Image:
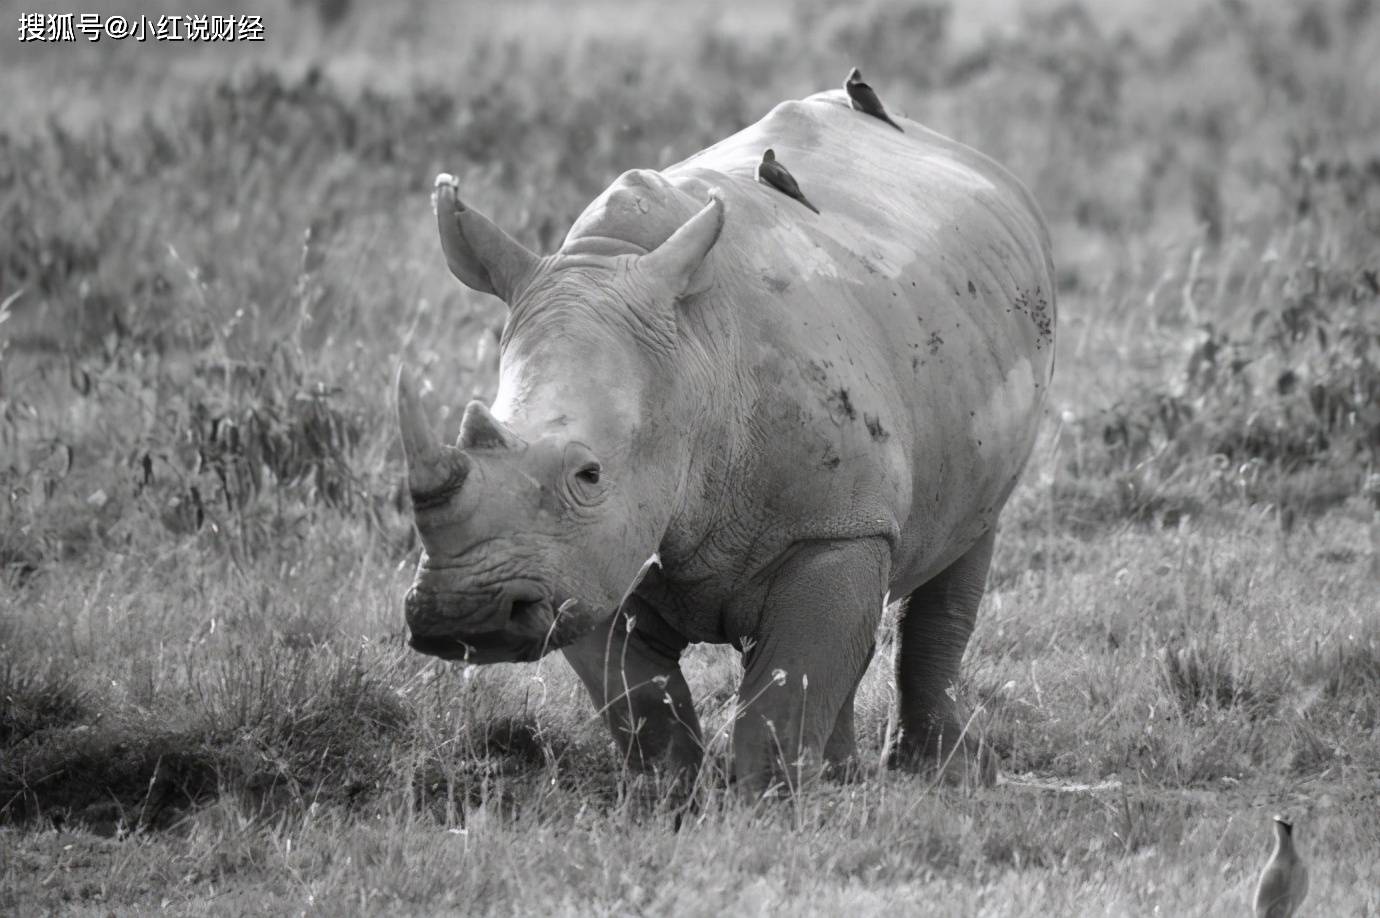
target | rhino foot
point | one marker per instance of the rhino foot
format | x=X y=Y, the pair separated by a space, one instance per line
x=969 y=762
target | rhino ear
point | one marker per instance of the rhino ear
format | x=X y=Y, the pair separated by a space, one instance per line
x=677 y=262
x=480 y=254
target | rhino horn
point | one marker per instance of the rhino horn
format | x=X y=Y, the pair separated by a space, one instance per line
x=480 y=254
x=677 y=261
x=430 y=466
x=481 y=430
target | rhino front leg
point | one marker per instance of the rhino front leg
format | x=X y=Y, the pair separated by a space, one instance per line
x=820 y=605
x=841 y=751
x=634 y=677
x=933 y=631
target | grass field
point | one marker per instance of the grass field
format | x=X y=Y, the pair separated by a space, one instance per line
x=212 y=258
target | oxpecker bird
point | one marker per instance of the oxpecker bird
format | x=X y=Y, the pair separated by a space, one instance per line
x=865 y=100
x=773 y=174
x=1284 y=882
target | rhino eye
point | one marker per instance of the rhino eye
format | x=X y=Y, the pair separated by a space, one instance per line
x=589 y=474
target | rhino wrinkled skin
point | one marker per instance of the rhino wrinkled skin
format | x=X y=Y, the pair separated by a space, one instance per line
x=797 y=414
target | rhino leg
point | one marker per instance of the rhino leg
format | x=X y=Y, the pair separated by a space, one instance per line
x=840 y=752
x=630 y=674
x=933 y=631
x=818 y=621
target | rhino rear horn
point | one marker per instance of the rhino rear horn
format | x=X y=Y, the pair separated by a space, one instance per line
x=481 y=430
x=678 y=260
x=430 y=466
x=480 y=254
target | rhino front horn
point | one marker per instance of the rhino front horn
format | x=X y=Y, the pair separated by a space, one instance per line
x=430 y=466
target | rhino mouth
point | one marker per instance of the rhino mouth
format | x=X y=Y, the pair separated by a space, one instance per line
x=534 y=624
x=490 y=647
x=534 y=628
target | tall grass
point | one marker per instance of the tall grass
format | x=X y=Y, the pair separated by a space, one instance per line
x=205 y=699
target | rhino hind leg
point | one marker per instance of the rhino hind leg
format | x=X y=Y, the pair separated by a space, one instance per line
x=819 y=609
x=933 y=631
x=634 y=677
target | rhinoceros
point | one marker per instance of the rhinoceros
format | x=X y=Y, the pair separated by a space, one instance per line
x=793 y=415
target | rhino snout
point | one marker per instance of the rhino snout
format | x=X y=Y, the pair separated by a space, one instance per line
x=520 y=624
x=433 y=611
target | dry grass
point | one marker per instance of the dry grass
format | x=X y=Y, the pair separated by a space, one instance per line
x=206 y=705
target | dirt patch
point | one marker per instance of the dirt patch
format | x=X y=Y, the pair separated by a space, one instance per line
x=1035 y=306
x=105 y=783
x=875 y=428
x=841 y=406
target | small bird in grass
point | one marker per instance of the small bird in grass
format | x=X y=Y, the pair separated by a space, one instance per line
x=773 y=174
x=1284 y=882
x=863 y=99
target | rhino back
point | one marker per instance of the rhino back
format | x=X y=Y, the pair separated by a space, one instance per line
x=899 y=344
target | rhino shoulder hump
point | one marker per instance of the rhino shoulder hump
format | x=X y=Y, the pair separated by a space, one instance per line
x=796 y=122
x=634 y=215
